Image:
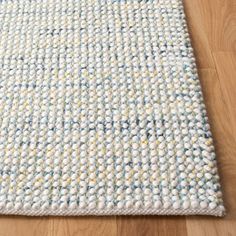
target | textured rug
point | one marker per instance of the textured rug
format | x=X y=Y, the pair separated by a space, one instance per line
x=101 y=111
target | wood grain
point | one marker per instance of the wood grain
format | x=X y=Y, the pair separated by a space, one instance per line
x=195 y=20
x=212 y=26
x=84 y=226
x=226 y=68
x=151 y=225
x=218 y=20
x=25 y=226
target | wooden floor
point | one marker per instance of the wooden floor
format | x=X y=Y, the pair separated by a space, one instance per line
x=212 y=25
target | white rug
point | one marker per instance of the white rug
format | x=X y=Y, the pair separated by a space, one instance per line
x=101 y=111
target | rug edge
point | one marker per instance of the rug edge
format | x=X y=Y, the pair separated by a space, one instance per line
x=219 y=211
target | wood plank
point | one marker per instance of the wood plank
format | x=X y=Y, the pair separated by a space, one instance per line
x=84 y=226
x=195 y=19
x=25 y=226
x=221 y=126
x=226 y=69
x=218 y=21
x=151 y=225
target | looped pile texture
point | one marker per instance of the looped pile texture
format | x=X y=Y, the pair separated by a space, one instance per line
x=101 y=111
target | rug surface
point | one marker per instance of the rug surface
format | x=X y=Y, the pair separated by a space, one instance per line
x=101 y=111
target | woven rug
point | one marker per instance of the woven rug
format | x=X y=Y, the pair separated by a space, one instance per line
x=101 y=111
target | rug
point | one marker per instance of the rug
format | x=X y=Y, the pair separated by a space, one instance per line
x=101 y=111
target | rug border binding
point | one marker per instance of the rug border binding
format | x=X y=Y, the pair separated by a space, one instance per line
x=219 y=211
